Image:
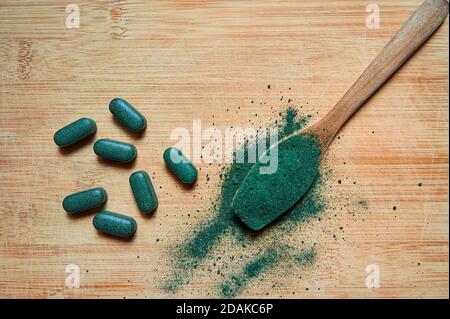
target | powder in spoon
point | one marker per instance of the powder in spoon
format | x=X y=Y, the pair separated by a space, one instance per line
x=262 y=198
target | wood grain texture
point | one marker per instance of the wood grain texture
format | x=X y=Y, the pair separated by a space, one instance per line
x=184 y=60
x=416 y=30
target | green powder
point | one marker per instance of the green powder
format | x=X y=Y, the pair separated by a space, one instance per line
x=233 y=176
x=199 y=246
x=306 y=257
x=262 y=198
x=262 y=263
x=363 y=204
x=252 y=269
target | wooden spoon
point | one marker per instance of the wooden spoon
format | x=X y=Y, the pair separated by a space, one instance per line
x=257 y=210
x=428 y=17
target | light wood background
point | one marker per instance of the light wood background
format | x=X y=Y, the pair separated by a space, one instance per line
x=184 y=60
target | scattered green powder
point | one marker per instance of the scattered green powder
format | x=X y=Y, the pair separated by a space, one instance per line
x=204 y=242
x=195 y=249
x=199 y=245
x=363 y=204
x=262 y=263
x=307 y=257
x=252 y=269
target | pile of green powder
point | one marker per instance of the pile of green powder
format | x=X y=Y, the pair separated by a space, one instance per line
x=262 y=198
x=196 y=249
x=232 y=177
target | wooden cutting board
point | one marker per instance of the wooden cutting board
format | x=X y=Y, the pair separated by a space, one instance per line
x=179 y=61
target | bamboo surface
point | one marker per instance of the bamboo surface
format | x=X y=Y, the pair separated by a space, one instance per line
x=179 y=61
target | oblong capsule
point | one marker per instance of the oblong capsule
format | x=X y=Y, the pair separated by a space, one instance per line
x=180 y=165
x=143 y=191
x=85 y=200
x=115 y=224
x=74 y=132
x=115 y=150
x=127 y=114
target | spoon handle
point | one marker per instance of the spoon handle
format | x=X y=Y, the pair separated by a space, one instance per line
x=411 y=36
